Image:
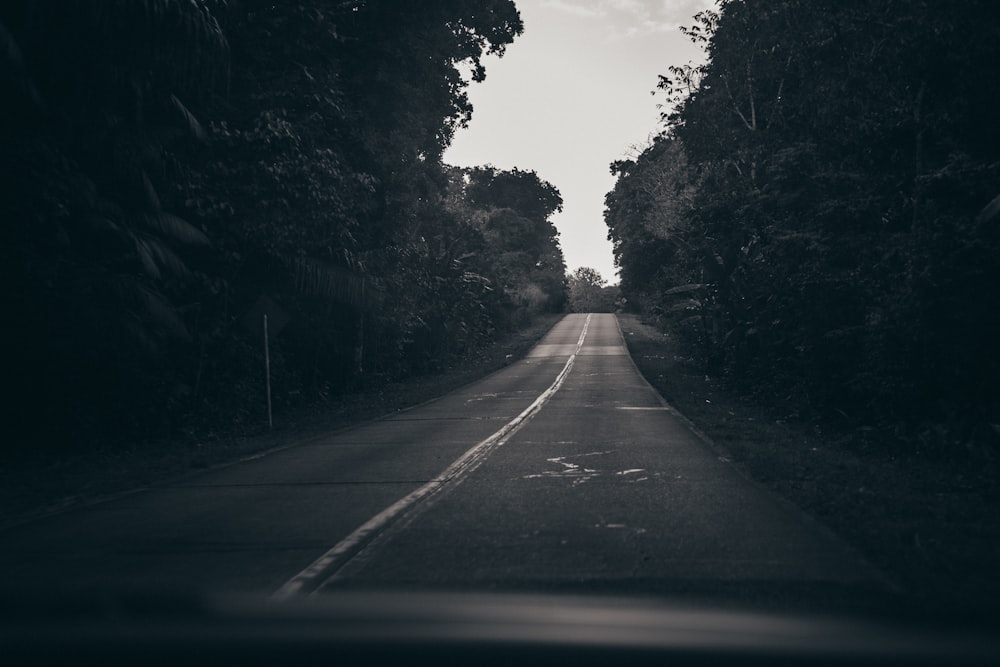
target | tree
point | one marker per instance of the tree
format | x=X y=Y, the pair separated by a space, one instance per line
x=590 y=293
x=519 y=233
x=587 y=277
x=99 y=264
x=166 y=164
x=830 y=161
x=332 y=164
x=648 y=214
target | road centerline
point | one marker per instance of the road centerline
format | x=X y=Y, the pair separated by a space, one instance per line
x=327 y=565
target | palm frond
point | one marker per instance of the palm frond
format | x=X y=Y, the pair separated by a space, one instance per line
x=315 y=278
x=989 y=211
x=150 y=306
x=191 y=123
x=102 y=225
x=152 y=200
x=13 y=62
x=174 y=228
x=162 y=314
x=157 y=255
x=684 y=289
x=145 y=255
x=137 y=335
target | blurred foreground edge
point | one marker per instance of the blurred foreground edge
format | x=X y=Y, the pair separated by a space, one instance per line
x=385 y=627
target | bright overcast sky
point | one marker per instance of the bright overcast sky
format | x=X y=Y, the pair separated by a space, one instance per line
x=570 y=96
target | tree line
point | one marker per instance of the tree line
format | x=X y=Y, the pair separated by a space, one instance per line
x=173 y=170
x=819 y=215
x=589 y=292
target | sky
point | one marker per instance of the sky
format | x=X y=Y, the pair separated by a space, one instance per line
x=570 y=96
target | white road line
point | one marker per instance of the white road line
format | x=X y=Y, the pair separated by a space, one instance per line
x=311 y=578
x=627 y=407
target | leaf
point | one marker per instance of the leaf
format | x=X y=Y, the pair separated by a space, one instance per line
x=139 y=334
x=145 y=255
x=162 y=314
x=151 y=305
x=685 y=306
x=315 y=278
x=175 y=228
x=192 y=124
x=684 y=289
x=152 y=199
x=165 y=258
x=13 y=63
x=468 y=277
x=101 y=224
x=989 y=211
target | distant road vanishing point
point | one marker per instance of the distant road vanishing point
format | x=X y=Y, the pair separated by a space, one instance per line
x=564 y=471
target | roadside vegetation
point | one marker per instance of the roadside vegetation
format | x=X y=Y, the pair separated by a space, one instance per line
x=820 y=217
x=814 y=236
x=175 y=171
x=928 y=522
x=589 y=292
x=43 y=483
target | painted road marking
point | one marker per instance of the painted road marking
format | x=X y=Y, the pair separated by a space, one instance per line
x=547 y=350
x=326 y=566
x=628 y=407
x=565 y=349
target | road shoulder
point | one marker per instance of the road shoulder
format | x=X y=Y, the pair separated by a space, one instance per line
x=932 y=527
x=40 y=486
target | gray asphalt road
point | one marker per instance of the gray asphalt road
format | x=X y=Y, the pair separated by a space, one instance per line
x=564 y=471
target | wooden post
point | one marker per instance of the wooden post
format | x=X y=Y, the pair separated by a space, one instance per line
x=267 y=372
x=359 y=348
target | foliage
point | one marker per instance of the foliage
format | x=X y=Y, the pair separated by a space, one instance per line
x=515 y=209
x=809 y=214
x=590 y=293
x=171 y=165
x=99 y=278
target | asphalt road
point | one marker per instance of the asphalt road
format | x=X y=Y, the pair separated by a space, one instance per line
x=563 y=471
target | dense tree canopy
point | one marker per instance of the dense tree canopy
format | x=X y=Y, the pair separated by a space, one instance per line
x=518 y=207
x=173 y=169
x=815 y=215
x=589 y=292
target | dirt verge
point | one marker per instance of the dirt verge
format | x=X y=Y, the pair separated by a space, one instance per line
x=931 y=524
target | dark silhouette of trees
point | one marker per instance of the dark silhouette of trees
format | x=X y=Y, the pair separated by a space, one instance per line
x=98 y=261
x=813 y=214
x=517 y=228
x=173 y=169
x=589 y=292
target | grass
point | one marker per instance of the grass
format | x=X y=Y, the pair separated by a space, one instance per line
x=931 y=523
